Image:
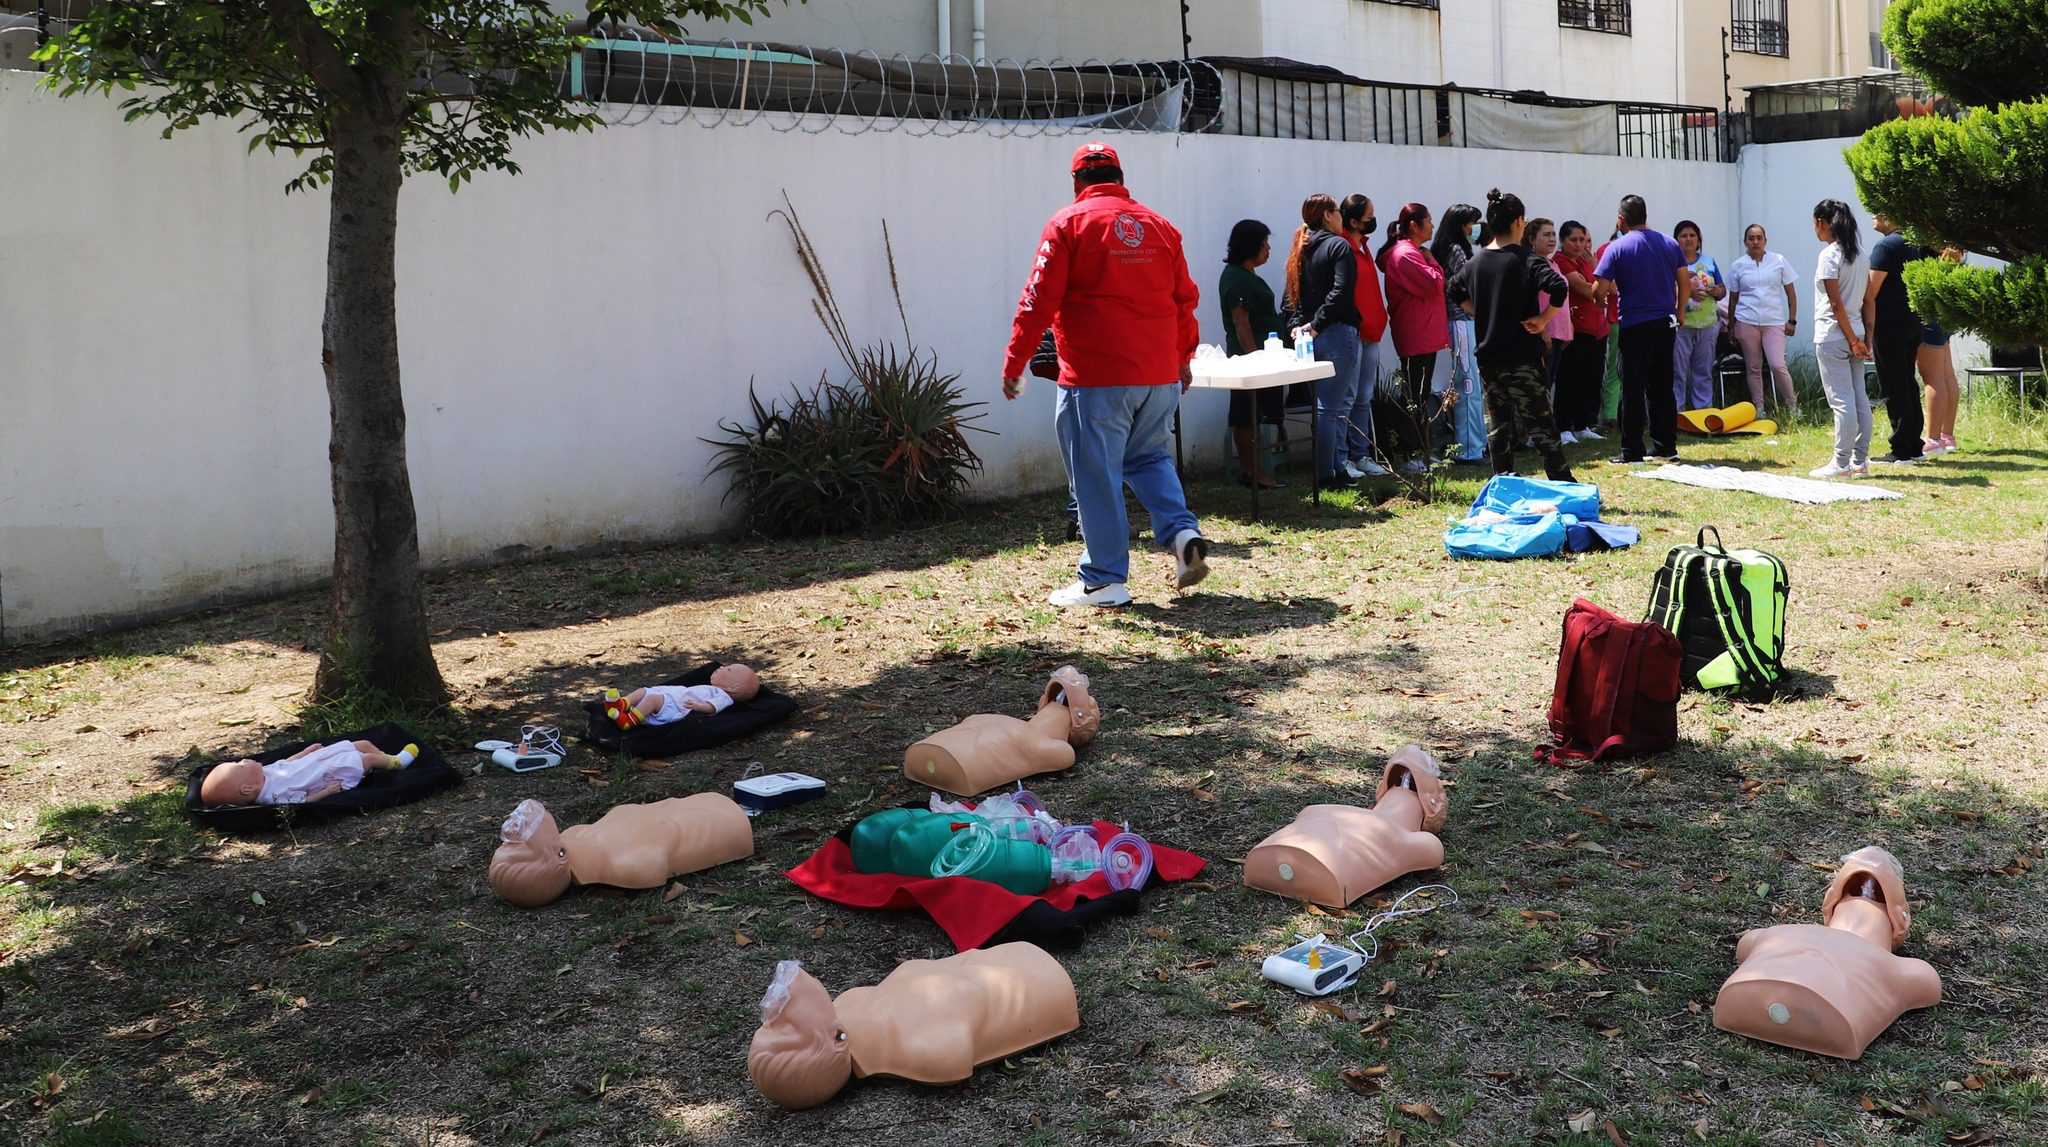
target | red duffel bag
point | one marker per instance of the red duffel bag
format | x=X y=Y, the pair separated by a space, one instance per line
x=1617 y=688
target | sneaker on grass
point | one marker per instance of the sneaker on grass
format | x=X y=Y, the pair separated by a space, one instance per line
x=1830 y=471
x=1079 y=594
x=1190 y=559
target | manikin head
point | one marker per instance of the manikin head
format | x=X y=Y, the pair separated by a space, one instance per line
x=236 y=782
x=1412 y=768
x=799 y=1057
x=1069 y=687
x=531 y=866
x=740 y=681
x=1871 y=873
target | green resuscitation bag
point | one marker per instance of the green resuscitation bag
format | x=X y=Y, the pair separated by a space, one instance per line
x=918 y=842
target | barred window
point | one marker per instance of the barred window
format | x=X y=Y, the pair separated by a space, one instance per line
x=1429 y=4
x=1759 y=26
x=1596 y=16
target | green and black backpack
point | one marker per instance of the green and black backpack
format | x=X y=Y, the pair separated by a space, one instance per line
x=1727 y=608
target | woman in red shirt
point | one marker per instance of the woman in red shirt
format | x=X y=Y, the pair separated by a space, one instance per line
x=1359 y=224
x=1579 y=379
x=1415 y=308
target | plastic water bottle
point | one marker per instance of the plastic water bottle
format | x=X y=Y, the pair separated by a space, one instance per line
x=1273 y=342
x=1305 y=347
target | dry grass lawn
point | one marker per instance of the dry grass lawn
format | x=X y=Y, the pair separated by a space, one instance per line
x=358 y=983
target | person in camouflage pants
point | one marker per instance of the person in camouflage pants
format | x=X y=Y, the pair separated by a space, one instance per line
x=1518 y=402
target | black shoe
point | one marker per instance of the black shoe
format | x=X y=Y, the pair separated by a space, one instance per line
x=1336 y=482
x=1073 y=530
x=1624 y=460
x=1270 y=484
x=1895 y=460
x=1671 y=457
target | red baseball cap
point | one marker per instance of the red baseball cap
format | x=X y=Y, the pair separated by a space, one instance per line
x=1095 y=153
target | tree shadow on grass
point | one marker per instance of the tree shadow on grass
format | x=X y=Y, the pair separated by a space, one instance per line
x=377 y=988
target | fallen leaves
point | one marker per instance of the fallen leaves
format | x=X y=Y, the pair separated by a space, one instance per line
x=1422 y=1111
x=1363 y=1080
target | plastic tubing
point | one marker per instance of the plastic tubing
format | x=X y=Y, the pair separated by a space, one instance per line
x=968 y=850
x=1122 y=869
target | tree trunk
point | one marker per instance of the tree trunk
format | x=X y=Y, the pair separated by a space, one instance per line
x=377 y=625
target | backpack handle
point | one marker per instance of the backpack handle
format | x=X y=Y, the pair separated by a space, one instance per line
x=1718 y=544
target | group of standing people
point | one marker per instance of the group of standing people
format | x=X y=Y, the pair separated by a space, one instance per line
x=1528 y=309
x=1525 y=307
x=1862 y=313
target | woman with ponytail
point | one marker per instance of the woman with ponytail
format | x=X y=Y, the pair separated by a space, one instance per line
x=1415 y=291
x=1838 y=337
x=1322 y=280
x=1453 y=249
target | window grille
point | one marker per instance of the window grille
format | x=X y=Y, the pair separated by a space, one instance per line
x=1759 y=27
x=1429 y=4
x=1611 y=16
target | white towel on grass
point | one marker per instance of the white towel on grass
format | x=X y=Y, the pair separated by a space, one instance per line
x=1807 y=490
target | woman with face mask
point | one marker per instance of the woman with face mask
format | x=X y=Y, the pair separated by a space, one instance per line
x=1415 y=290
x=1453 y=249
x=1359 y=224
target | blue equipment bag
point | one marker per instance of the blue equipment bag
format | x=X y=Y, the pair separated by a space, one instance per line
x=1520 y=536
x=1514 y=495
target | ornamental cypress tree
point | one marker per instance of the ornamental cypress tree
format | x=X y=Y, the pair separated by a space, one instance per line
x=371 y=91
x=1980 y=183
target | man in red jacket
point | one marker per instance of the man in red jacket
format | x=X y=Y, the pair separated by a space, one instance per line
x=1111 y=281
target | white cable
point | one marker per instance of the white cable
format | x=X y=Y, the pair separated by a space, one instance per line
x=1371 y=947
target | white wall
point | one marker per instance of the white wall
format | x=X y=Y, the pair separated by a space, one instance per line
x=568 y=334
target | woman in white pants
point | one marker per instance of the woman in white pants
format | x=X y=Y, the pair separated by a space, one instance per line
x=1838 y=337
x=1765 y=307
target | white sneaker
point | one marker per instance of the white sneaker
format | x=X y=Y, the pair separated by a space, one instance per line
x=1365 y=468
x=1352 y=471
x=1567 y=438
x=1857 y=472
x=1590 y=436
x=1829 y=471
x=1414 y=466
x=1079 y=594
x=1190 y=559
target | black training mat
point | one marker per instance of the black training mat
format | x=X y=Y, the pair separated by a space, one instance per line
x=697 y=731
x=429 y=773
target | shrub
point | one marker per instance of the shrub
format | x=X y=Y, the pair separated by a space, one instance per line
x=891 y=448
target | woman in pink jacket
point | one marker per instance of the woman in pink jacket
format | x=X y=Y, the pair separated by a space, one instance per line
x=1415 y=311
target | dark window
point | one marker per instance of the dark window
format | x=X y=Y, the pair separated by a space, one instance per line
x=1759 y=26
x=1595 y=15
x=1429 y=4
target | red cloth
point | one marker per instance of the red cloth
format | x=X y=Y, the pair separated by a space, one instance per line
x=1111 y=280
x=1415 y=298
x=1613 y=300
x=1588 y=317
x=1372 y=309
x=969 y=910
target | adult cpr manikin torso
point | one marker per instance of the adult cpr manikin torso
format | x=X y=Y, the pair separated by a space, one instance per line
x=930 y=1021
x=1334 y=854
x=988 y=750
x=1831 y=988
x=631 y=846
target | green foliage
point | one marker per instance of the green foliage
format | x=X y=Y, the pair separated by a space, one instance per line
x=1982 y=52
x=1977 y=183
x=890 y=447
x=459 y=79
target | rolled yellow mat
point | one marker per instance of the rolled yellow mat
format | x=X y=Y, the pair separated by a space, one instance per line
x=1695 y=421
x=1733 y=418
x=1761 y=426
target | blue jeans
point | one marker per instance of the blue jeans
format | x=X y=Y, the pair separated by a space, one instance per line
x=1358 y=434
x=1111 y=436
x=1337 y=345
x=1469 y=416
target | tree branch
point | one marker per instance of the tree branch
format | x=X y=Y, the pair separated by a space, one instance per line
x=318 y=53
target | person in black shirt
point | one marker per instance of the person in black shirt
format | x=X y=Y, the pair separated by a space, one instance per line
x=1895 y=333
x=1322 y=289
x=1513 y=295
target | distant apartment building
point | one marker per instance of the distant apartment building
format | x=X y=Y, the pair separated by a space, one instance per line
x=1649 y=51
